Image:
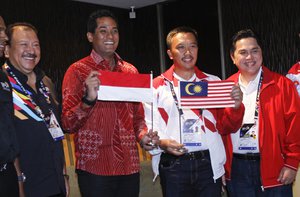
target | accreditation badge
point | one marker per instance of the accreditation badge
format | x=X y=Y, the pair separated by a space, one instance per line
x=248 y=137
x=54 y=128
x=191 y=132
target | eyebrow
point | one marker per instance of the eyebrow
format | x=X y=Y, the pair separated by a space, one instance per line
x=22 y=41
x=256 y=47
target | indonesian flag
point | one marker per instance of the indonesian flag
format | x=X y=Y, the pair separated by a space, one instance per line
x=205 y=94
x=117 y=86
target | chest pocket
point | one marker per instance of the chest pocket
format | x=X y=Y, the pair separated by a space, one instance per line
x=6 y=105
x=5 y=92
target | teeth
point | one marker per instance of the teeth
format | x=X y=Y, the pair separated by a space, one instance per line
x=29 y=58
x=108 y=43
x=187 y=59
x=250 y=63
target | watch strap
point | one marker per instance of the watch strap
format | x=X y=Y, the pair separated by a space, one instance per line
x=22 y=177
x=86 y=101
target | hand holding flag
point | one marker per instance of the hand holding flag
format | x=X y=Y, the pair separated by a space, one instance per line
x=237 y=96
x=92 y=83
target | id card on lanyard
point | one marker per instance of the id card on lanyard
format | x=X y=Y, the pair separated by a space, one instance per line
x=54 y=128
x=191 y=132
x=248 y=137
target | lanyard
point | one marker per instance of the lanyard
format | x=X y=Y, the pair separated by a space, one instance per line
x=179 y=109
x=257 y=96
x=175 y=98
x=43 y=89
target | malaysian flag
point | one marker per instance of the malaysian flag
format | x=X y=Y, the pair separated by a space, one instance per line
x=205 y=94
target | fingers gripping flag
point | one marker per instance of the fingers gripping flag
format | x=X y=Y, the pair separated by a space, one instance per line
x=117 y=86
x=208 y=94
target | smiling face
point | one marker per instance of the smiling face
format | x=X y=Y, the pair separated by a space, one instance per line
x=247 y=56
x=3 y=36
x=183 y=51
x=105 y=39
x=23 y=50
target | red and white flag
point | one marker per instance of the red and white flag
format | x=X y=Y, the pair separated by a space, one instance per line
x=117 y=86
x=209 y=94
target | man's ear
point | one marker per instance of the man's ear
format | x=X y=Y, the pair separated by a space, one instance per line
x=6 y=51
x=90 y=36
x=232 y=57
x=169 y=54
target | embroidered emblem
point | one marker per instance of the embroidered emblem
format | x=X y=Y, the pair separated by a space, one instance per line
x=5 y=86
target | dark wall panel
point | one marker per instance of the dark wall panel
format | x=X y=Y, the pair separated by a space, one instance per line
x=276 y=23
x=140 y=42
x=202 y=16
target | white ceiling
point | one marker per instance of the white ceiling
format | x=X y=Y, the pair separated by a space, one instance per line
x=126 y=4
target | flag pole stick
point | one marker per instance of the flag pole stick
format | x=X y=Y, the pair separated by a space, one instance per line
x=152 y=116
x=180 y=138
x=180 y=114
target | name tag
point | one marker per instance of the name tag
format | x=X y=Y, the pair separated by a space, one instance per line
x=248 y=137
x=54 y=128
x=191 y=132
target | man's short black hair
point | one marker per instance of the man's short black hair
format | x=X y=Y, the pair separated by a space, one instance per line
x=10 y=29
x=92 y=21
x=245 y=33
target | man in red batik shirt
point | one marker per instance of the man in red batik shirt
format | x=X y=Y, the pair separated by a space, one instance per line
x=106 y=132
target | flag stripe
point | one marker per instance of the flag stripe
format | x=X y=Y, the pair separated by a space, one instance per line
x=208 y=103
x=206 y=106
x=212 y=91
x=222 y=82
x=206 y=97
x=119 y=79
x=204 y=101
x=110 y=93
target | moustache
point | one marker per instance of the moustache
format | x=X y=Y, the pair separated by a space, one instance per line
x=30 y=55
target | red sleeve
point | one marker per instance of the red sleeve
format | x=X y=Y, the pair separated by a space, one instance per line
x=229 y=120
x=291 y=107
x=74 y=115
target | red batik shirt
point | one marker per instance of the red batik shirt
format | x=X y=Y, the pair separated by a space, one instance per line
x=106 y=133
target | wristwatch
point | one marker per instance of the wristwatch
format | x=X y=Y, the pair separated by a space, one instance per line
x=22 y=177
x=89 y=103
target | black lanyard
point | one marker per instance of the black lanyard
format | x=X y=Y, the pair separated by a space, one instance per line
x=175 y=98
x=257 y=97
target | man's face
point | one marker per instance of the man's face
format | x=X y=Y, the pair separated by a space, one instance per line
x=247 y=56
x=3 y=37
x=24 y=50
x=105 y=40
x=184 y=51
